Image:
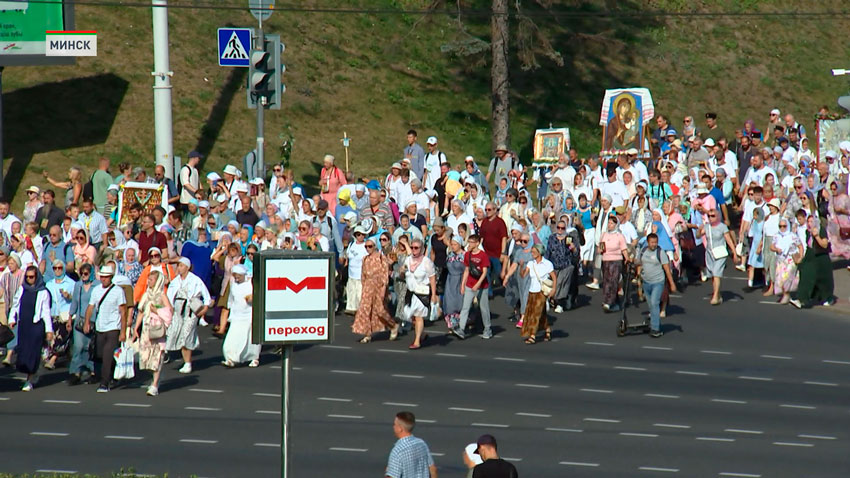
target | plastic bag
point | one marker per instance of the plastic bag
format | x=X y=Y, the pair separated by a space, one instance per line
x=124 y=362
x=435 y=312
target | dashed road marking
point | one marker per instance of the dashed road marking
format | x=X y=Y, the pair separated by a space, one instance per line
x=788 y=443
x=817 y=437
x=727 y=440
x=688 y=372
x=534 y=415
x=723 y=400
x=205 y=390
x=271 y=445
x=123 y=437
x=511 y=459
x=49 y=434
x=133 y=405
x=531 y=385
x=444 y=354
x=202 y=409
x=743 y=431
x=601 y=420
x=350 y=417
x=347 y=372
x=738 y=475
x=509 y=359
x=579 y=463
x=601 y=344
x=63 y=402
x=272 y=395
x=655 y=468
x=490 y=425
x=393 y=351
x=399 y=404
x=200 y=442
x=639 y=435
x=462 y=409
x=800 y=407
x=341 y=347
x=571 y=364
x=401 y=375
x=422 y=420
x=716 y=352
x=671 y=425
x=595 y=390
x=822 y=384
x=660 y=395
x=837 y=362
x=564 y=430
x=353 y=450
x=759 y=379
x=655 y=347
x=634 y=369
x=332 y=399
x=268 y=412
x=776 y=357
x=469 y=380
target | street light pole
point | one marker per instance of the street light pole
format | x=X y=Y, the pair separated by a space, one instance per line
x=162 y=88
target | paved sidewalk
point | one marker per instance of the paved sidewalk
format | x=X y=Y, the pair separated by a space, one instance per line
x=842 y=285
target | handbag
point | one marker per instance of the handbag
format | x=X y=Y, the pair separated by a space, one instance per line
x=6 y=335
x=844 y=233
x=545 y=285
x=156 y=328
x=686 y=240
x=124 y=362
x=718 y=252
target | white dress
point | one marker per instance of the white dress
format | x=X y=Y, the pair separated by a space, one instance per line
x=237 y=346
x=418 y=282
x=185 y=296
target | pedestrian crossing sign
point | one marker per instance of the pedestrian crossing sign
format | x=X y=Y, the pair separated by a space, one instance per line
x=234 y=46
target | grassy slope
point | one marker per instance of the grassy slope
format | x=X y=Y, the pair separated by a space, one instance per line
x=375 y=76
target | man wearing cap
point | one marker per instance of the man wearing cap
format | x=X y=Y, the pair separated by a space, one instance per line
x=393 y=180
x=414 y=152
x=492 y=466
x=107 y=309
x=433 y=160
x=410 y=456
x=774 y=120
x=712 y=130
x=190 y=298
x=48 y=215
x=189 y=178
x=501 y=165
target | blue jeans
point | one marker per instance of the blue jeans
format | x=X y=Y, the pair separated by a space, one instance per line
x=652 y=291
x=494 y=273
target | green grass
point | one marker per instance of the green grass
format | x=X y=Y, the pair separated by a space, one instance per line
x=375 y=76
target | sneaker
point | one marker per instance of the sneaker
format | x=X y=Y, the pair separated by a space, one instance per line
x=488 y=334
x=829 y=302
x=796 y=303
x=27 y=387
x=203 y=322
x=152 y=391
x=458 y=333
x=103 y=389
x=741 y=268
x=593 y=286
x=74 y=379
x=519 y=324
x=186 y=368
x=606 y=307
x=254 y=363
x=655 y=334
x=166 y=358
x=559 y=309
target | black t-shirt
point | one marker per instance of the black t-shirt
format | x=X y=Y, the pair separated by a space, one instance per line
x=495 y=468
x=247 y=217
x=440 y=250
x=440 y=187
x=48 y=218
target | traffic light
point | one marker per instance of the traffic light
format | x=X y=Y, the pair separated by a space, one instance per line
x=265 y=75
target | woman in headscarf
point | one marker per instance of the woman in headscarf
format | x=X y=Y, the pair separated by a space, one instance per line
x=84 y=252
x=585 y=216
x=452 y=298
x=537 y=270
x=372 y=315
x=154 y=264
x=769 y=230
x=605 y=211
x=61 y=290
x=81 y=367
x=613 y=250
x=401 y=252
x=22 y=247
x=562 y=250
x=237 y=347
x=129 y=265
x=838 y=221
x=516 y=285
x=198 y=250
x=151 y=324
x=35 y=327
x=10 y=282
x=420 y=276
x=641 y=216
x=331 y=179
x=245 y=238
x=816 y=282
x=789 y=250
x=226 y=256
x=310 y=239
x=717 y=238
x=755 y=260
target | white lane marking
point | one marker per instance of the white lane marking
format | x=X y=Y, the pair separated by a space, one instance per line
x=634 y=369
x=655 y=347
x=595 y=390
x=565 y=430
x=352 y=417
x=511 y=459
x=349 y=372
x=822 y=384
x=801 y=407
x=579 y=463
x=399 y=404
x=205 y=390
x=278 y=367
x=3 y=399
x=469 y=380
x=716 y=352
x=759 y=379
x=202 y=409
x=768 y=302
x=461 y=409
x=509 y=359
x=437 y=454
x=817 y=437
x=422 y=420
x=353 y=450
x=268 y=412
x=728 y=440
x=743 y=431
x=133 y=405
x=688 y=372
x=654 y=468
x=332 y=399
x=272 y=395
x=63 y=402
x=776 y=357
x=293 y=368
x=788 y=443
x=443 y=354
x=837 y=362
x=601 y=344
x=122 y=437
x=571 y=364
x=490 y=425
x=660 y=395
x=639 y=435
x=49 y=434
x=401 y=375
x=723 y=400
x=342 y=347
x=393 y=351
x=740 y=475
x=45 y=470
x=534 y=415
x=272 y=445
x=601 y=420
x=671 y=425
x=201 y=442
x=531 y=385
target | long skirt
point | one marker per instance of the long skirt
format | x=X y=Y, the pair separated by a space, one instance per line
x=816 y=281
x=611 y=281
x=589 y=247
x=150 y=350
x=353 y=294
x=786 y=279
x=30 y=342
x=237 y=346
x=535 y=315
x=564 y=285
x=183 y=331
x=769 y=259
x=372 y=315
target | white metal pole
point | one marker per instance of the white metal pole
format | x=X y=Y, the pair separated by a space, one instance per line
x=162 y=88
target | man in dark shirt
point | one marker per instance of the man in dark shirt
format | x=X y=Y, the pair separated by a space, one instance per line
x=247 y=215
x=494 y=237
x=440 y=187
x=48 y=215
x=493 y=466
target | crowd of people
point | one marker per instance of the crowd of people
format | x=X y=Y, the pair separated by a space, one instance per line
x=432 y=240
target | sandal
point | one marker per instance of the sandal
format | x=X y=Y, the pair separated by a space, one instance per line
x=365 y=340
x=530 y=340
x=414 y=347
x=394 y=332
x=548 y=336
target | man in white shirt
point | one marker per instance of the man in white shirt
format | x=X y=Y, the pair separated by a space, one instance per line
x=6 y=219
x=433 y=160
x=630 y=163
x=756 y=173
x=189 y=178
x=108 y=306
x=615 y=188
x=565 y=172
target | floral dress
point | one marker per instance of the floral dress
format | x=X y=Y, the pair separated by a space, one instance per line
x=372 y=315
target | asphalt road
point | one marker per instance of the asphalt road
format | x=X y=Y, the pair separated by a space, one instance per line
x=745 y=389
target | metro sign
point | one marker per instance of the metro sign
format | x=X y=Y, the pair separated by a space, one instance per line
x=284 y=283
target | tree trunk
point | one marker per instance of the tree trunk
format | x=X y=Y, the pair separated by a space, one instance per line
x=500 y=82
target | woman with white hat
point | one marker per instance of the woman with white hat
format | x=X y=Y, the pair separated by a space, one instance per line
x=237 y=347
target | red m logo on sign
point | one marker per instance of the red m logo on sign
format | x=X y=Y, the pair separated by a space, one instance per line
x=283 y=283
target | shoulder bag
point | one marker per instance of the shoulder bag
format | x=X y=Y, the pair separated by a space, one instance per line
x=718 y=252
x=545 y=285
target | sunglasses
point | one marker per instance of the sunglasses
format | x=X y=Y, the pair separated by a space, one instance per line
x=302 y=228
x=415 y=248
x=523 y=201
x=687 y=121
x=384 y=239
x=277 y=170
x=489 y=209
x=370 y=246
x=85 y=273
x=522 y=241
x=57 y=268
x=155 y=255
x=30 y=276
x=561 y=228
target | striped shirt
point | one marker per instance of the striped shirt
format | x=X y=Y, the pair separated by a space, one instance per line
x=410 y=458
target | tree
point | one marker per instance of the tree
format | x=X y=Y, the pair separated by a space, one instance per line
x=499 y=75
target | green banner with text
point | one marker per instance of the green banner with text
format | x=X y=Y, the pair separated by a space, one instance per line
x=23 y=26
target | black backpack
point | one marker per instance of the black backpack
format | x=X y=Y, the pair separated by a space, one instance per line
x=88 y=188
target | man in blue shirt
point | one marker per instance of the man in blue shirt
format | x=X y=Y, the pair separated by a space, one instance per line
x=410 y=457
x=94 y=222
x=55 y=249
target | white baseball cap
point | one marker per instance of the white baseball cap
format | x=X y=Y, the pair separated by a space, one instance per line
x=775 y=111
x=709 y=142
x=431 y=140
